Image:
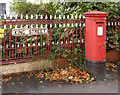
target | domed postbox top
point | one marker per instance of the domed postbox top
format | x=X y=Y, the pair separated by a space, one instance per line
x=95 y=14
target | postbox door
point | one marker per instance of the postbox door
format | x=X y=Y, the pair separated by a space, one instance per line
x=100 y=30
x=100 y=41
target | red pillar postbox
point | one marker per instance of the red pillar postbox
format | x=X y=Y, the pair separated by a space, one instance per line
x=95 y=38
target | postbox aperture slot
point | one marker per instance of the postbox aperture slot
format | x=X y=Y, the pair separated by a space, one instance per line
x=99 y=22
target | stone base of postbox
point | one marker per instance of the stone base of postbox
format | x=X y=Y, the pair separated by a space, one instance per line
x=96 y=68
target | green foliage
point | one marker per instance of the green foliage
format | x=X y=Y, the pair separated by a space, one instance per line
x=65 y=8
x=112 y=42
x=30 y=8
x=80 y=7
x=75 y=56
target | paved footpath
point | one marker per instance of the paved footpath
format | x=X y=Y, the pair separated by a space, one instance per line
x=22 y=84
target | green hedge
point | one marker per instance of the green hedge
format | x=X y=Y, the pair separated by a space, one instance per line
x=67 y=8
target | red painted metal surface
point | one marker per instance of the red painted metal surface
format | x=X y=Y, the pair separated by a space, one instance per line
x=95 y=44
x=29 y=22
x=95 y=14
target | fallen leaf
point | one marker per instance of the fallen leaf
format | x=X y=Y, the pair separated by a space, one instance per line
x=28 y=76
x=83 y=86
x=105 y=79
x=107 y=75
x=108 y=83
x=107 y=68
x=60 y=86
x=95 y=82
x=92 y=79
x=41 y=81
x=114 y=70
x=6 y=79
x=114 y=82
x=111 y=64
x=16 y=92
x=90 y=86
x=71 y=77
x=13 y=83
x=80 y=80
x=88 y=82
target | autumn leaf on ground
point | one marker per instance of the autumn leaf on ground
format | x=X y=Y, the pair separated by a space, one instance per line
x=107 y=68
x=111 y=64
x=92 y=79
x=40 y=75
x=95 y=82
x=6 y=79
x=108 y=84
x=41 y=81
x=114 y=82
x=60 y=86
x=114 y=70
x=13 y=83
x=72 y=75
x=90 y=86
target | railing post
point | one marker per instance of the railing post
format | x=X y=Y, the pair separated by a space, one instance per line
x=0 y=39
x=95 y=42
x=0 y=54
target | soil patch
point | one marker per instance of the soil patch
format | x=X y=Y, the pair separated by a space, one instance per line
x=112 y=55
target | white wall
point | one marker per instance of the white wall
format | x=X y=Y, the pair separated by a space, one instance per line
x=9 y=2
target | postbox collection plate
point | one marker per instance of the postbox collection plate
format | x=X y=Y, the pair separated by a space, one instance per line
x=100 y=31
